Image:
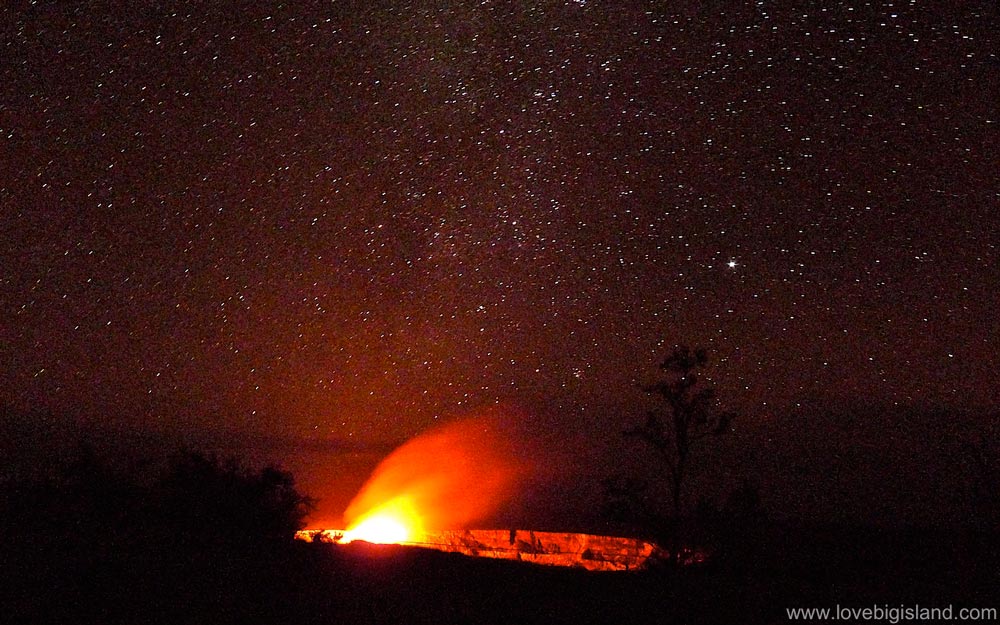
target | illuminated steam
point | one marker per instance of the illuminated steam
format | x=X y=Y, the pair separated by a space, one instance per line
x=446 y=478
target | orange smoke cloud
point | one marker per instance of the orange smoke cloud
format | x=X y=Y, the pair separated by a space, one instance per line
x=446 y=478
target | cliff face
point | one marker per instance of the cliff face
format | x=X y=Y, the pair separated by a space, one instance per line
x=589 y=551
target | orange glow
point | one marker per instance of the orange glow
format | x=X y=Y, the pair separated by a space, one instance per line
x=588 y=551
x=444 y=479
x=394 y=522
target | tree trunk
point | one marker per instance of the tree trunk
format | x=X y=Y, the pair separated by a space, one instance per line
x=675 y=520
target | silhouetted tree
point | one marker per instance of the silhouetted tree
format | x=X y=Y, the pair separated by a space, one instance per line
x=93 y=542
x=210 y=497
x=689 y=415
x=626 y=502
x=734 y=529
x=983 y=542
x=984 y=481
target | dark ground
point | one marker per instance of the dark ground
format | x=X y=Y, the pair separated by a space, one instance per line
x=146 y=578
x=399 y=585
x=305 y=583
x=203 y=541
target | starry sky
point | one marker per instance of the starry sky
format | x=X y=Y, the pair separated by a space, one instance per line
x=340 y=223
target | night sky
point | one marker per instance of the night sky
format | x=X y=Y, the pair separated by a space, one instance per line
x=329 y=226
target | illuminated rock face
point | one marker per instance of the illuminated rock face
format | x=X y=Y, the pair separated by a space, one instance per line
x=588 y=551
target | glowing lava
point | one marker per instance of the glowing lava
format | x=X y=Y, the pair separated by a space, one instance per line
x=394 y=522
x=429 y=491
x=586 y=551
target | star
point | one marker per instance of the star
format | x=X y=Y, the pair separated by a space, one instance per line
x=479 y=203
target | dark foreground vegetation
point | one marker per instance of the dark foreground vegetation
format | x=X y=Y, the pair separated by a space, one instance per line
x=201 y=541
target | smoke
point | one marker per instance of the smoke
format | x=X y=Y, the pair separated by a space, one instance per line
x=446 y=478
